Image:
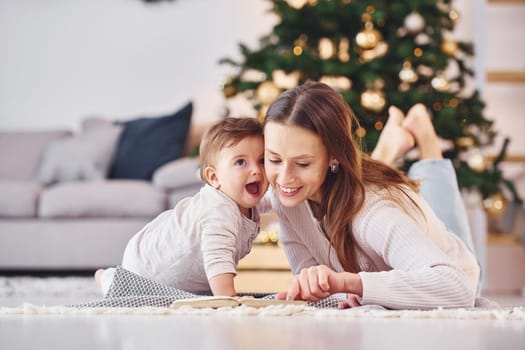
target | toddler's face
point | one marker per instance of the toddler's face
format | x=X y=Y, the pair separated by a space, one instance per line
x=239 y=171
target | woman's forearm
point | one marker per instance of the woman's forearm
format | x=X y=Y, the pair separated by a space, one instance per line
x=352 y=283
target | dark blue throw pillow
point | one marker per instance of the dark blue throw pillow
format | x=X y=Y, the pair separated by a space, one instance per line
x=148 y=143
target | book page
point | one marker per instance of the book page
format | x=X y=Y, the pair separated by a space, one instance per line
x=223 y=301
x=254 y=302
x=204 y=302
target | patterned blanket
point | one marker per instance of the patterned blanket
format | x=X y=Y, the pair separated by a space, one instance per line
x=131 y=290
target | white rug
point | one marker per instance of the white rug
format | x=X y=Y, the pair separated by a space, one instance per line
x=513 y=314
x=27 y=290
x=16 y=287
x=15 y=291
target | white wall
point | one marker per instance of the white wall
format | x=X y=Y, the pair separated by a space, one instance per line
x=504 y=50
x=61 y=60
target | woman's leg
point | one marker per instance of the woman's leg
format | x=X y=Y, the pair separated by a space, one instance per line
x=439 y=184
x=438 y=178
x=440 y=189
x=394 y=140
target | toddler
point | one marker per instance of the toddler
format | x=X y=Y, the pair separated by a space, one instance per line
x=197 y=245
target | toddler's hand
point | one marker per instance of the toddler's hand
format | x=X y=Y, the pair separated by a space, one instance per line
x=352 y=300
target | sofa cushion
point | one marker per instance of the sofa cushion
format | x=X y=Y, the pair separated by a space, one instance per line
x=95 y=122
x=178 y=173
x=18 y=198
x=98 y=199
x=148 y=143
x=21 y=152
x=86 y=156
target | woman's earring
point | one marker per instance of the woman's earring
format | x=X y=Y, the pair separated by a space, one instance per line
x=334 y=168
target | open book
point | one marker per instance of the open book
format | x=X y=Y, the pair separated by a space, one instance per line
x=223 y=301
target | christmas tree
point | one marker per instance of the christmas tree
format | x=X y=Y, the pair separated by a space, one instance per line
x=379 y=53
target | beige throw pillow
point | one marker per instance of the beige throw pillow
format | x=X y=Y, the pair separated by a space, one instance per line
x=85 y=156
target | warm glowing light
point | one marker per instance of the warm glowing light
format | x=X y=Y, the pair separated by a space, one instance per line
x=360 y=132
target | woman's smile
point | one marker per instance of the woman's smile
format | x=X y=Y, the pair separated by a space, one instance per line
x=288 y=191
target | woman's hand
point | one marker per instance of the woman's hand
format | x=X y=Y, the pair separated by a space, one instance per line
x=317 y=282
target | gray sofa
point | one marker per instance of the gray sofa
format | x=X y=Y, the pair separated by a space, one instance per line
x=85 y=220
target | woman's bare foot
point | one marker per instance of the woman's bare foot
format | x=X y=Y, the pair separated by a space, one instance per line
x=394 y=139
x=419 y=124
x=98 y=278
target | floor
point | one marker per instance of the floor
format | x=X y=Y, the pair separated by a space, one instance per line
x=128 y=332
x=208 y=332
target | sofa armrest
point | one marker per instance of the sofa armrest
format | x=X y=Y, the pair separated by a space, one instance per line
x=182 y=172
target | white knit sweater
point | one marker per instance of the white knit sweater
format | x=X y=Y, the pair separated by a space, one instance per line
x=201 y=237
x=412 y=261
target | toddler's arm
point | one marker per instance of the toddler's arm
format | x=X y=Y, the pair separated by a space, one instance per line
x=223 y=285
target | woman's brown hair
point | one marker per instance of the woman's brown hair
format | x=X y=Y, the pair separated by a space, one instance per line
x=320 y=109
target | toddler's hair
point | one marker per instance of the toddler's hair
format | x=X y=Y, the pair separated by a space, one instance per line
x=225 y=133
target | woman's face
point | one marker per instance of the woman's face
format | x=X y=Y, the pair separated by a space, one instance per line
x=296 y=163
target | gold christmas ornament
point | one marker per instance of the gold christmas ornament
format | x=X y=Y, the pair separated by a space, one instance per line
x=404 y=87
x=401 y=32
x=229 y=91
x=285 y=81
x=378 y=84
x=343 y=53
x=360 y=132
x=475 y=160
x=425 y=71
x=369 y=37
x=422 y=39
x=326 y=48
x=262 y=237
x=338 y=83
x=449 y=47
x=267 y=92
x=297 y=4
x=407 y=74
x=297 y=50
x=262 y=113
x=273 y=235
x=443 y=6
x=453 y=15
x=465 y=142
x=440 y=83
x=299 y=43
x=369 y=11
x=253 y=75
x=378 y=51
x=414 y=22
x=495 y=204
x=373 y=100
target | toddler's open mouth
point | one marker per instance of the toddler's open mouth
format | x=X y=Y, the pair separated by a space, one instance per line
x=253 y=187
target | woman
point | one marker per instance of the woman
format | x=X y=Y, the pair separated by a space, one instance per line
x=351 y=224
